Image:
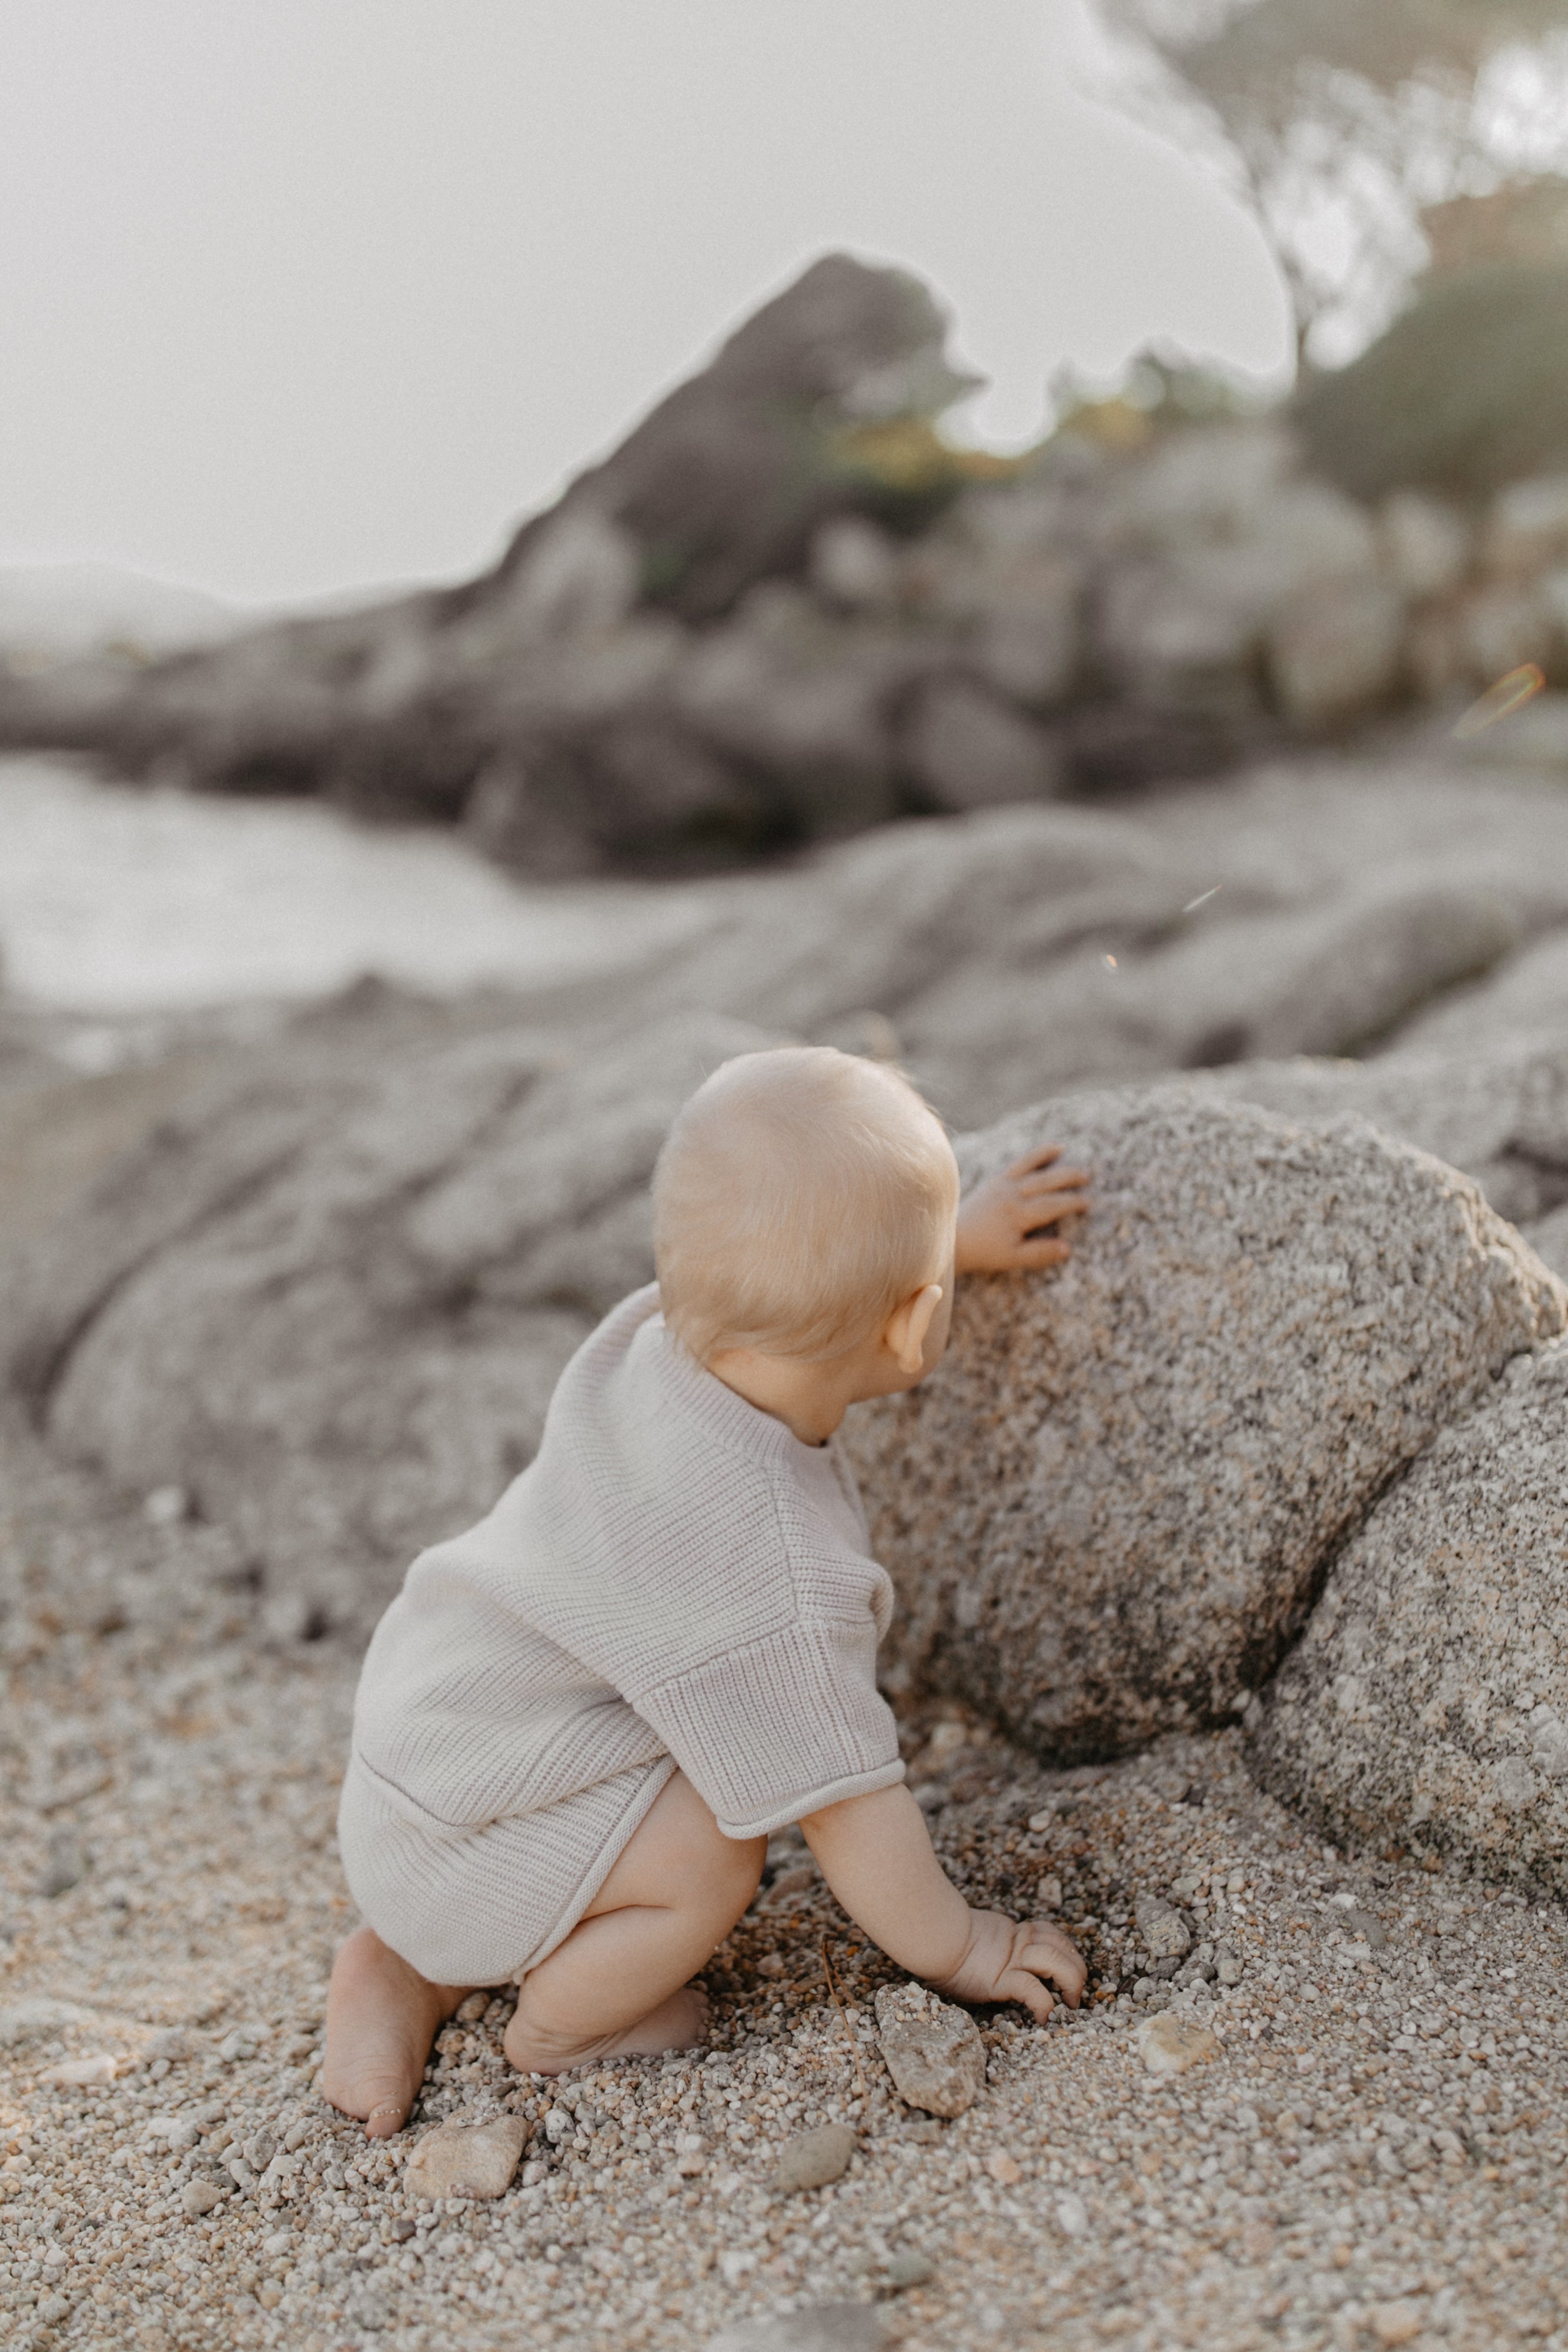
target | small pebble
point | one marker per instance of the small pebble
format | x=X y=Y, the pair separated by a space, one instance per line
x=466 y=2158
x=199 y=2196
x=1004 y=2168
x=66 y=1866
x=932 y=2049
x=1169 y=2044
x=819 y=2328
x=1162 y=1927
x=1071 y=2216
x=1394 y=2322
x=812 y=2159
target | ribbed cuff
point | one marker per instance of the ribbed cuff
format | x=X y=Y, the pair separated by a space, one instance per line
x=813 y=1801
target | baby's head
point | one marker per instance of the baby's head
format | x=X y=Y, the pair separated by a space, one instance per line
x=801 y=1197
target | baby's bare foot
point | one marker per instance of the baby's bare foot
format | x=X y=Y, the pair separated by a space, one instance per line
x=381 y=2018
x=676 y=2024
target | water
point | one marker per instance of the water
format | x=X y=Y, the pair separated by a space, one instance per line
x=118 y=902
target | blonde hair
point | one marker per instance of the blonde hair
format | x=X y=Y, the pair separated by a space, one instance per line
x=801 y=1195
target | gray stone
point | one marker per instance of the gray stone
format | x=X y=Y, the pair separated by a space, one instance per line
x=1227 y=1964
x=812 y=2159
x=451 y=1209
x=1162 y=1927
x=1336 y=651
x=1427 y=1702
x=38 y=2019
x=932 y=2049
x=1107 y=1510
x=1548 y=1238
x=1367 y=1926
x=969 y=750
x=65 y=1867
x=465 y=2156
x=171 y=2042
x=373 y=2305
x=909 y=2267
x=1499 y=1111
x=816 y=2327
x=1425 y=544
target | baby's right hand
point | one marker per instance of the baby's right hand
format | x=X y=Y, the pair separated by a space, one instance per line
x=1006 y=1960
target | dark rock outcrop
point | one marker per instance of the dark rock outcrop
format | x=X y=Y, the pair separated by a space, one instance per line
x=783 y=611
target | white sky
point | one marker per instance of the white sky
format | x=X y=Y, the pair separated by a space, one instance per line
x=296 y=295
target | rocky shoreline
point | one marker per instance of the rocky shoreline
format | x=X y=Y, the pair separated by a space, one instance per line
x=243 y=1284
x=784 y=611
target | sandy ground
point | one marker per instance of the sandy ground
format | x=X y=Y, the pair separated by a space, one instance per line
x=1373 y=2155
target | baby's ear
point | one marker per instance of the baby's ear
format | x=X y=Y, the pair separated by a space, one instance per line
x=907 y=1326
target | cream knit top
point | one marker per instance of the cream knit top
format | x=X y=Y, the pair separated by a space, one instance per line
x=674 y=1575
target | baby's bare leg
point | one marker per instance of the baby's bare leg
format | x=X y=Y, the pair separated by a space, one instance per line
x=617 y=1983
x=381 y=2018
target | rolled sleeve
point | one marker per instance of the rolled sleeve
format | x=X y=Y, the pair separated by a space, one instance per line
x=781 y=1727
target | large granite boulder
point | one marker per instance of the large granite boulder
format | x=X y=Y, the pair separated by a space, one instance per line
x=1501 y=1116
x=1108 y=1511
x=1426 y=1703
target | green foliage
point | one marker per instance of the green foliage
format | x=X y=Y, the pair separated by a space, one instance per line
x=1155 y=389
x=1466 y=390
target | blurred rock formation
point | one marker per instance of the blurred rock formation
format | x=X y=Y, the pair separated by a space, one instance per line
x=784 y=610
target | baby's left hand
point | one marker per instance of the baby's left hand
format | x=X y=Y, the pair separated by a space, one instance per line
x=999 y=1221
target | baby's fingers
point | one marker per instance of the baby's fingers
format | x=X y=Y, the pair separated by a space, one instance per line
x=1052 y=1206
x=1055 y=1179
x=1041 y=1252
x=1050 y=1954
x=1041 y=1157
x=1019 y=1985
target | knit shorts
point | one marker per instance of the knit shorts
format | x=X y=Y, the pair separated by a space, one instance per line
x=481 y=1907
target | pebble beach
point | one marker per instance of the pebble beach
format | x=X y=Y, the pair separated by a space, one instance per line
x=1365 y=2144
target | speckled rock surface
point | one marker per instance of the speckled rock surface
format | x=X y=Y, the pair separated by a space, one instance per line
x=1426 y=1704
x=1499 y=1114
x=1107 y=1510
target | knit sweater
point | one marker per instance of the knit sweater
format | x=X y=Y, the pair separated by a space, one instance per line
x=675 y=1576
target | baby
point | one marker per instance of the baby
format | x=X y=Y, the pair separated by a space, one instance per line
x=577 y=1724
